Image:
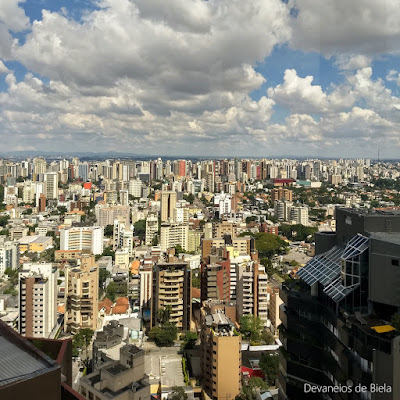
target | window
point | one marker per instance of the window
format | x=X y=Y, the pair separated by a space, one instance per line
x=395 y=262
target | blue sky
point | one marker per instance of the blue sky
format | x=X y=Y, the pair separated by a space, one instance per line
x=193 y=77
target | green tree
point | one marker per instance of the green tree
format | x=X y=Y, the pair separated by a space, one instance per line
x=250 y=389
x=189 y=198
x=109 y=230
x=269 y=365
x=103 y=276
x=164 y=314
x=250 y=219
x=189 y=340
x=179 y=249
x=268 y=244
x=298 y=232
x=108 y=251
x=154 y=241
x=140 y=229
x=252 y=327
x=12 y=275
x=164 y=335
x=81 y=340
x=4 y=220
x=153 y=333
x=267 y=338
x=167 y=335
x=178 y=393
x=111 y=291
x=196 y=280
x=62 y=210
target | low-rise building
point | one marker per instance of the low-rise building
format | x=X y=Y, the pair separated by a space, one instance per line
x=123 y=379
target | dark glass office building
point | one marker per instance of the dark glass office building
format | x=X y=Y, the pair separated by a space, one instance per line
x=337 y=335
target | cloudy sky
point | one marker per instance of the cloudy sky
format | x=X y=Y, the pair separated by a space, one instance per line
x=196 y=77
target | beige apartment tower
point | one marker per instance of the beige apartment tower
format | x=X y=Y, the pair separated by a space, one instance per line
x=168 y=206
x=81 y=295
x=38 y=299
x=172 y=288
x=221 y=359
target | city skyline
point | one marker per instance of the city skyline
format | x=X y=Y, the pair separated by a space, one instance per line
x=265 y=78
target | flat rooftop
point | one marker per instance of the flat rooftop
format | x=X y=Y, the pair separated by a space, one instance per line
x=17 y=364
x=371 y=211
x=386 y=236
x=116 y=369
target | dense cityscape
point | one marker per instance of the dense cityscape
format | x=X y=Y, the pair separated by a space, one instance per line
x=166 y=279
x=199 y=200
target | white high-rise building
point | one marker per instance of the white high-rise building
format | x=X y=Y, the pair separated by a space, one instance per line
x=135 y=187
x=124 y=197
x=251 y=290
x=282 y=209
x=51 y=185
x=151 y=228
x=123 y=236
x=88 y=238
x=9 y=255
x=224 y=203
x=299 y=214
x=172 y=235
x=38 y=299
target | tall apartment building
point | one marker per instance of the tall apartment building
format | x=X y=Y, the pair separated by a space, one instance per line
x=123 y=236
x=86 y=238
x=224 y=228
x=29 y=192
x=51 y=185
x=172 y=235
x=336 y=318
x=106 y=215
x=37 y=299
x=151 y=228
x=42 y=203
x=221 y=359
x=223 y=203
x=281 y=194
x=273 y=309
x=282 y=210
x=172 y=287
x=241 y=245
x=9 y=255
x=81 y=295
x=135 y=188
x=168 y=205
x=299 y=214
x=124 y=197
x=252 y=290
x=215 y=284
x=194 y=241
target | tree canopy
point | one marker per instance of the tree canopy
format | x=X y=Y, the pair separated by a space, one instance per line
x=298 y=232
x=140 y=228
x=81 y=341
x=164 y=335
x=252 y=327
x=268 y=244
x=109 y=230
x=178 y=393
x=249 y=389
x=269 y=365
